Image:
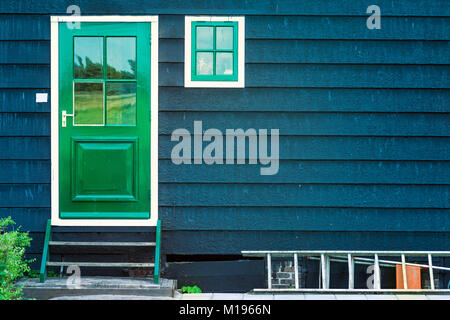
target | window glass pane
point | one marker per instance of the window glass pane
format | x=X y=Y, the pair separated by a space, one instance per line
x=121 y=103
x=204 y=63
x=88 y=57
x=205 y=38
x=224 y=38
x=88 y=106
x=224 y=63
x=121 y=57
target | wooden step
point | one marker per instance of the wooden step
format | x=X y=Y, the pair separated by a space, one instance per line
x=99 y=243
x=102 y=264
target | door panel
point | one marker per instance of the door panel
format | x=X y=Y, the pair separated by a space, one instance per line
x=104 y=170
x=104 y=144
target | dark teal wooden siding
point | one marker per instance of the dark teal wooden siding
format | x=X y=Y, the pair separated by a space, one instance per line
x=364 y=119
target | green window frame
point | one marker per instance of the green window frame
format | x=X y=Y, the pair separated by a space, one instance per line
x=214 y=50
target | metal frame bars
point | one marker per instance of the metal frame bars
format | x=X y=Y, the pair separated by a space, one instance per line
x=405 y=280
x=376 y=273
x=296 y=270
x=351 y=258
x=430 y=268
x=351 y=271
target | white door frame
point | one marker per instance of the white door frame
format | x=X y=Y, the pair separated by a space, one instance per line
x=56 y=220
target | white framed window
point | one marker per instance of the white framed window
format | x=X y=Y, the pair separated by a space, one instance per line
x=214 y=52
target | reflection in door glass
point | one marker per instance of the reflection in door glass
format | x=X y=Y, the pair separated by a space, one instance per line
x=88 y=103
x=121 y=103
x=121 y=57
x=88 y=57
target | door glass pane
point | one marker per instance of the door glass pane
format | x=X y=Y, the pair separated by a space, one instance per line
x=121 y=103
x=88 y=57
x=205 y=38
x=121 y=57
x=224 y=63
x=204 y=63
x=224 y=38
x=88 y=106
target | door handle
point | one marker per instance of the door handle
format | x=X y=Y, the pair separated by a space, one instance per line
x=63 y=120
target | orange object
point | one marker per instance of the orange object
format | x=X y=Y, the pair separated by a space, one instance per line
x=412 y=277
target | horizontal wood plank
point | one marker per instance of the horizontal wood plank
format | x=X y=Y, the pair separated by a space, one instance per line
x=25 y=171
x=194 y=242
x=30 y=219
x=25 y=52
x=327 y=75
x=298 y=171
x=273 y=51
x=305 y=195
x=267 y=99
x=328 y=51
x=25 y=148
x=305 y=99
x=298 y=123
x=291 y=171
x=266 y=195
x=24 y=27
x=25 y=124
x=350 y=51
x=268 y=219
x=345 y=27
x=226 y=242
x=302 y=7
x=289 y=123
x=291 y=147
x=275 y=75
x=25 y=76
x=345 y=148
x=25 y=195
x=304 y=219
x=326 y=27
x=23 y=100
x=37 y=27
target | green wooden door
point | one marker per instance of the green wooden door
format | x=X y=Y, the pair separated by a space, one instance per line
x=104 y=124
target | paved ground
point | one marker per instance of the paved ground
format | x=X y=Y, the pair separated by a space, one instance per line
x=247 y=296
x=107 y=288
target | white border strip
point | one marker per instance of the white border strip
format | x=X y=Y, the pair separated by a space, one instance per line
x=240 y=83
x=56 y=221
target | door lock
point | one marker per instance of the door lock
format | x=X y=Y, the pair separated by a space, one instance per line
x=63 y=120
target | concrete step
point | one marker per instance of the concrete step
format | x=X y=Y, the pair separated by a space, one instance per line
x=102 y=243
x=102 y=264
x=112 y=297
x=96 y=286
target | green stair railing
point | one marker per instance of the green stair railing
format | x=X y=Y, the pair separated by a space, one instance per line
x=157 y=252
x=45 y=252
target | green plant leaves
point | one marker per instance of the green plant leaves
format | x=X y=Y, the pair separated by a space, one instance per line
x=193 y=289
x=12 y=262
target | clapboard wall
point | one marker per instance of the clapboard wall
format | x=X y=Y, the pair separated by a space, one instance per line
x=363 y=116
